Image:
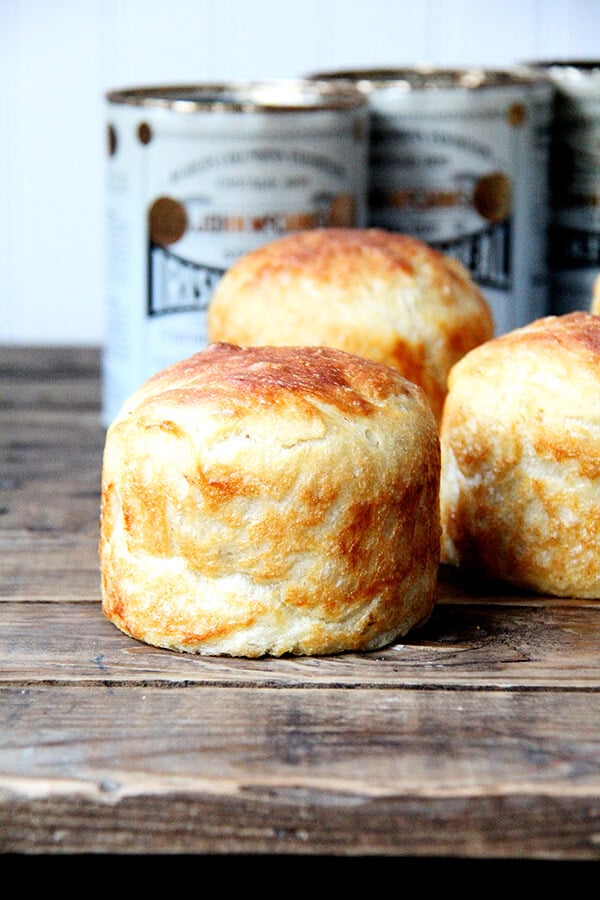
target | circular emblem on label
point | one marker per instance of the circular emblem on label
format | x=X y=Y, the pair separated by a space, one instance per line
x=343 y=211
x=144 y=133
x=112 y=140
x=492 y=197
x=517 y=114
x=167 y=221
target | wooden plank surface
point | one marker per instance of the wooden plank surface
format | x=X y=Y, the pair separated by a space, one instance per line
x=477 y=737
x=260 y=770
x=474 y=646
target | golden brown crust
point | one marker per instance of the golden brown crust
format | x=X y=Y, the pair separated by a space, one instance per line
x=520 y=441
x=271 y=500
x=227 y=374
x=378 y=294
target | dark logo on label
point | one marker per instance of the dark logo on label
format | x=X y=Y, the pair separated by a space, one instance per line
x=574 y=248
x=486 y=254
x=178 y=285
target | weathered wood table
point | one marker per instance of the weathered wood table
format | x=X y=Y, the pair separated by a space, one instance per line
x=478 y=738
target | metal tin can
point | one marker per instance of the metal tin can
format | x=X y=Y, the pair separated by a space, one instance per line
x=574 y=183
x=460 y=158
x=199 y=175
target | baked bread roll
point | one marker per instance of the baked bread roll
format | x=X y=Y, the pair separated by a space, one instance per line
x=378 y=294
x=520 y=444
x=269 y=501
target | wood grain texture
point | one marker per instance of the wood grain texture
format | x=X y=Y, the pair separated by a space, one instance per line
x=472 y=646
x=477 y=737
x=235 y=770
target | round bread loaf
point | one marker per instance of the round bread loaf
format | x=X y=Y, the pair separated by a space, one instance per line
x=378 y=294
x=520 y=443
x=271 y=500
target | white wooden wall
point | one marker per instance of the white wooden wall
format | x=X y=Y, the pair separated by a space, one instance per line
x=59 y=57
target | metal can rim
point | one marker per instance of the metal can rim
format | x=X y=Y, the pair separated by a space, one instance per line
x=579 y=65
x=268 y=96
x=430 y=78
x=576 y=77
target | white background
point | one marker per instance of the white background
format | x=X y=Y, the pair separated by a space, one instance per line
x=59 y=57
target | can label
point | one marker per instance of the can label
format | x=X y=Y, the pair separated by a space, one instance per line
x=450 y=190
x=575 y=186
x=470 y=177
x=188 y=194
x=460 y=159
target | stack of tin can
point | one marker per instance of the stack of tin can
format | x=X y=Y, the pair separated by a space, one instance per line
x=499 y=168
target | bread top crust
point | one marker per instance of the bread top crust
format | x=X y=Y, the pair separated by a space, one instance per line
x=572 y=339
x=341 y=255
x=348 y=262
x=230 y=377
x=544 y=378
x=576 y=331
x=247 y=410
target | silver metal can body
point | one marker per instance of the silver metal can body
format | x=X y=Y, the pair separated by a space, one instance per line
x=198 y=176
x=574 y=184
x=460 y=158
